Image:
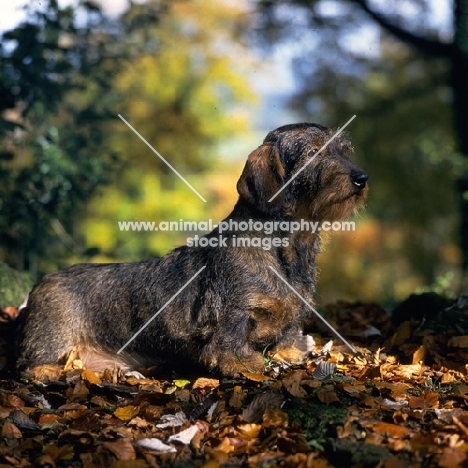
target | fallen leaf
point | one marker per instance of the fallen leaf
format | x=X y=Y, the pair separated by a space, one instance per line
x=182 y=383
x=185 y=436
x=89 y=422
x=393 y=405
x=155 y=445
x=453 y=457
x=125 y=413
x=324 y=370
x=446 y=415
x=248 y=431
x=419 y=355
x=275 y=418
x=262 y=401
x=256 y=377
x=15 y=401
x=90 y=377
x=408 y=371
x=237 y=398
x=425 y=401
x=458 y=342
x=402 y=334
x=172 y=420
x=327 y=396
x=206 y=407
x=204 y=382
x=391 y=430
x=122 y=449
x=47 y=419
x=23 y=421
x=225 y=446
x=292 y=383
x=10 y=431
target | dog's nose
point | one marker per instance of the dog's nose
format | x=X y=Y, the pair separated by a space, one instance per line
x=359 y=179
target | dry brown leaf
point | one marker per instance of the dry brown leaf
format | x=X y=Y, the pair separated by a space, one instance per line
x=5 y=412
x=461 y=425
x=256 y=377
x=450 y=376
x=89 y=422
x=47 y=419
x=358 y=388
x=135 y=381
x=23 y=421
x=204 y=382
x=419 y=355
x=403 y=334
x=125 y=413
x=275 y=418
x=72 y=407
x=425 y=401
x=453 y=457
x=408 y=371
x=327 y=396
x=336 y=356
x=458 y=342
x=15 y=401
x=238 y=397
x=292 y=383
x=262 y=459
x=122 y=449
x=248 y=431
x=225 y=446
x=90 y=377
x=391 y=430
x=261 y=402
x=80 y=390
x=10 y=431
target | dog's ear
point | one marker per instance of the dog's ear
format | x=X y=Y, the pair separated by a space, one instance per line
x=261 y=178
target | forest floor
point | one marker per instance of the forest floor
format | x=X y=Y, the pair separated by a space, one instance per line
x=400 y=401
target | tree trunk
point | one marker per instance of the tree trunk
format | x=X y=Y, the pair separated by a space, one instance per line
x=460 y=95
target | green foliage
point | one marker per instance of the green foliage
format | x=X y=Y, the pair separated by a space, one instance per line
x=53 y=156
x=62 y=86
x=317 y=420
x=14 y=286
x=403 y=133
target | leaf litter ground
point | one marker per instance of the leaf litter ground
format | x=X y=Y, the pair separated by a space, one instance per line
x=402 y=401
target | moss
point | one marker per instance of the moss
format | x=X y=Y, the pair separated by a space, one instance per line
x=318 y=421
x=14 y=286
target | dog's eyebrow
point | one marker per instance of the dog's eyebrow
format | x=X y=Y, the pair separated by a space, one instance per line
x=335 y=135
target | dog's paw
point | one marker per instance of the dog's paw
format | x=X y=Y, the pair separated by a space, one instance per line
x=44 y=373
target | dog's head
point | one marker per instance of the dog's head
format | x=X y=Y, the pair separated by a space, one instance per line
x=301 y=171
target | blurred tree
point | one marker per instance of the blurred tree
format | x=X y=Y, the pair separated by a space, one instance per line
x=184 y=96
x=410 y=93
x=53 y=151
x=66 y=73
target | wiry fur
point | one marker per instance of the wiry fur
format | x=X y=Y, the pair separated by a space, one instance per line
x=236 y=307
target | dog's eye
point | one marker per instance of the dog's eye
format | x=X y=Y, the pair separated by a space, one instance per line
x=313 y=151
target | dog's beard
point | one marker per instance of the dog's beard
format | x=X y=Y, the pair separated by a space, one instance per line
x=331 y=204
